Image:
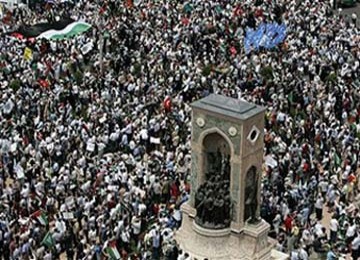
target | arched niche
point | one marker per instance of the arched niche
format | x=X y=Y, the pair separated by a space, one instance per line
x=212 y=198
x=210 y=139
x=217 y=153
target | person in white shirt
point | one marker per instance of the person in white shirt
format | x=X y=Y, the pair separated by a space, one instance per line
x=334 y=226
x=276 y=223
x=48 y=256
x=294 y=255
x=355 y=247
x=318 y=229
x=319 y=207
x=136 y=229
x=350 y=233
x=125 y=237
x=303 y=255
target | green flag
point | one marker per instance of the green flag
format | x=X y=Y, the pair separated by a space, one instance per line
x=337 y=160
x=48 y=240
x=291 y=97
x=188 y=8
x=113 y=251
x=218 y=9
x=41 y=217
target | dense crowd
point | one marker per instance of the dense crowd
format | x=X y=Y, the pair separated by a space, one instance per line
x=100 y=155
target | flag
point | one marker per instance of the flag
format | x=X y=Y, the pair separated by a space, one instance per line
x=87 y=48
x=30 y=31
x=187 y=8
x=28 y=55
x=337 y=160
x=223 y=47
x=44 y=83
x=113 y=251
x=69 y=31
x=41 y=217
x=17 y=35
x=167 y=104
x=291 y=97
x=48 y=240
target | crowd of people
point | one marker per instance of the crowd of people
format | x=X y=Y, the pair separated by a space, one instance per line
x=95 y=149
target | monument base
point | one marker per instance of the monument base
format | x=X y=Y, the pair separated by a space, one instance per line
x=252 y=243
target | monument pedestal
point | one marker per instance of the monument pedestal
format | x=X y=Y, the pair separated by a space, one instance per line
x=252 y=243
x=227 y=146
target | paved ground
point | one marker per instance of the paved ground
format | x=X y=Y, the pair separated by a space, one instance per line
x=355 y=9
x=349 y=11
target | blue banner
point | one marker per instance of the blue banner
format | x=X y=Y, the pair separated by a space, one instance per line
x=267 y=35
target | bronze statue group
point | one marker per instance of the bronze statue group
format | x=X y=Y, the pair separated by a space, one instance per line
x=213 y=202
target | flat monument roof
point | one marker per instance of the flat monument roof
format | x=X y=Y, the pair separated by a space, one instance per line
x=227 y=106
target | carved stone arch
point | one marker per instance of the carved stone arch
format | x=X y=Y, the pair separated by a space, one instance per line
x=218 y=131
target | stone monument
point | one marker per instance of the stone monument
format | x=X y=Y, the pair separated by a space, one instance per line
x=222 y=220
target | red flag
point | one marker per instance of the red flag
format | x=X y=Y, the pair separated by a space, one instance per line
x=167 y=104
x=32 y=39
x=44 y=83
x=18 y=35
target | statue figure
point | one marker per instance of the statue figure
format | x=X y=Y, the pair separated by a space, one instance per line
x=199 y=198
x=219 y=212
x=218 y=161
x=212 y=203
x=207 y=212
x=251 y=202
x=211 y=158
x=227 y=168
x=227 y=207
x=212 y=198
